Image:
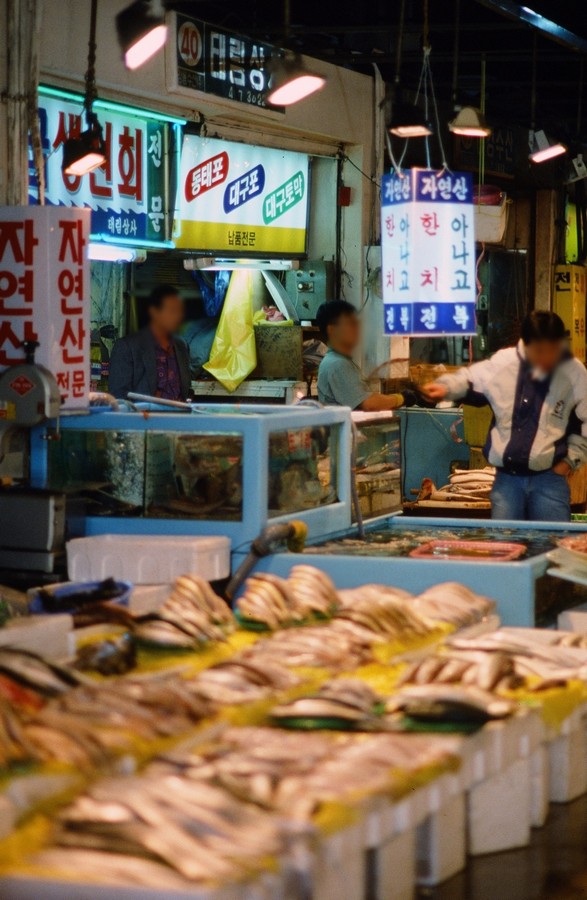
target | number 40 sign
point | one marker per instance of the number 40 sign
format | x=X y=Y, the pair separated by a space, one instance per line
x=428 y=253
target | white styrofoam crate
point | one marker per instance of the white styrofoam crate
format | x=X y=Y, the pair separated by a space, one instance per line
x=147 y=558
x=540 y=783
x=441 y=842
x=568 y=766
x=499 y=811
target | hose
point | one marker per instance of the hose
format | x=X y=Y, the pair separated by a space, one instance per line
x=102 y=398
x=292 y=533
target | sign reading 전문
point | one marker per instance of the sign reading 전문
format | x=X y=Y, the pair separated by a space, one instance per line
x=428 y=253
x=45 y=294
x=234 y=198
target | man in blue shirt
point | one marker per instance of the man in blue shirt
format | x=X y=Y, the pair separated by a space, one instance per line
x=340 y=380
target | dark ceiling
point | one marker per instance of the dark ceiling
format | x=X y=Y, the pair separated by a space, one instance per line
x=357 y=35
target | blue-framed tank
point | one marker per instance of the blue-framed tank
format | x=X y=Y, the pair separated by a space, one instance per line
x=523 y=594
x=214 y=468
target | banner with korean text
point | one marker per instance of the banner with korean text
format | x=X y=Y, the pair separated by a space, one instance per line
x=428 y=253
x=235 y=198
x=129 y=194
x=45 y=293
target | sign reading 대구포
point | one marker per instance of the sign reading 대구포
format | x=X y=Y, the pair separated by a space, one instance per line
x=235 y=198
x=215 y=61
x=428 y=253
x=45 y=294
x=128 y=195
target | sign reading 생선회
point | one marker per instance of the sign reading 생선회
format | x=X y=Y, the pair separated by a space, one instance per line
x=45 y=293
x=428 y=253
x=235 y=199
x=128 y=195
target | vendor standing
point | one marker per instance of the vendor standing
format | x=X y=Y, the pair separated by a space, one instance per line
x=340 y=380
x=154 y=361
x=538 y=394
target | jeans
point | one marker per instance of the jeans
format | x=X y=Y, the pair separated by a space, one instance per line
x=544 y=497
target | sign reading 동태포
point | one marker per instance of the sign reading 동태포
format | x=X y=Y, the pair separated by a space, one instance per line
x=128 y=195
x=45 y=293
x=215 y=61
x=235 y=198
x=428 y=253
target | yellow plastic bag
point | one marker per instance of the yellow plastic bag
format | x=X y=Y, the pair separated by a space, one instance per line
x=233 y=354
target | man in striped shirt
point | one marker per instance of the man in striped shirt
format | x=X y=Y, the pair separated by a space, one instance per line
x=538 y=394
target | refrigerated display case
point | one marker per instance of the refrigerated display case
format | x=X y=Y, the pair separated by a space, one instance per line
x=214 y=469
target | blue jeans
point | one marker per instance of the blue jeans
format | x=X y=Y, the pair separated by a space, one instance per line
x=544 y=497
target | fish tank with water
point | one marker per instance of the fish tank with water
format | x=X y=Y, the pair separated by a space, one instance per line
x=156 y=472
x=378 y=469
x=506 y=561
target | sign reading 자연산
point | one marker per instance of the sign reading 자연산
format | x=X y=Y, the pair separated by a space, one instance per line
x=45 y=293
x=212 y=60
x=428 y=253
x=234 y=198
x=128 y=196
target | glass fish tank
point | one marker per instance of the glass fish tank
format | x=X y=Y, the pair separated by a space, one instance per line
x=132 y=470
x=378 y=463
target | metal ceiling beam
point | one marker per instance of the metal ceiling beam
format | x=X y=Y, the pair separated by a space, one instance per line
x=529 y=17
x=438 y=28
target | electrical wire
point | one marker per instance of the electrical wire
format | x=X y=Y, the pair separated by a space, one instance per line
x=370 y=178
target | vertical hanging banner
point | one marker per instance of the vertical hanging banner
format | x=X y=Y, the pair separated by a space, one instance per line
x=428 y=253
x=45 y=293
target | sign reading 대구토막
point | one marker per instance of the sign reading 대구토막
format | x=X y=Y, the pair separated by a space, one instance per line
x=428 y=253
x=45 y=295
x=128 y=195
x=235 y=199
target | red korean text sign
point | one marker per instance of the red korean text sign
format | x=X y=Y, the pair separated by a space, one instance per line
x=45 y=293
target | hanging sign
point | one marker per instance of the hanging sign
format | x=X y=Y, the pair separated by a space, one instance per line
x=428 y=253
x=45 y=294
x=570 y=288
x=211 y=60
x=128 y=195
x=234 y=198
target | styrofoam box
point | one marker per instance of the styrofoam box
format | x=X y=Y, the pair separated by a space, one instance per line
x=147 y=559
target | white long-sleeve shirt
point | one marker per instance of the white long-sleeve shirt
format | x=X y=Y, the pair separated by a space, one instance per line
x=537 y=421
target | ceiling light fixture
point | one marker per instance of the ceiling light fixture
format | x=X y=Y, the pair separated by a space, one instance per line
x=87 y=152
x=219 y=264
x=412 y=121
x=290 y=81
x=409 y=122
x=470 y=122
x=112 y=253
x=543 y=148
x=142 y=31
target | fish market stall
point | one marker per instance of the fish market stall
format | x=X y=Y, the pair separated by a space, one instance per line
x=416 y=554
x=320 y=741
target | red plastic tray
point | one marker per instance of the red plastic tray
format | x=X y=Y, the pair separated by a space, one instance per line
x=470 y=551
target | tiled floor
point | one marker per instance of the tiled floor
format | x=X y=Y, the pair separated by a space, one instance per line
x=553 y=867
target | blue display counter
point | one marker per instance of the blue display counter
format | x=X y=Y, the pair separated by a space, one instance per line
x=513 y=585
